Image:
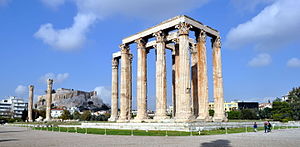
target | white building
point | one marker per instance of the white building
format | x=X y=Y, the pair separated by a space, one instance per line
x=55 y=113
x=12 y=107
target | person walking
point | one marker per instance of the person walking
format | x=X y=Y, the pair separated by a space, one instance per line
x=266 y=126
x=269 y=127
x=255 y=127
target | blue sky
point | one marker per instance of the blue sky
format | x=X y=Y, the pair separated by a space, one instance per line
x=72 y=41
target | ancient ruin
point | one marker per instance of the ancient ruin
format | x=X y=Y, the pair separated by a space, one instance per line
x=49 y=100
x=30 y=102
x=189 y=75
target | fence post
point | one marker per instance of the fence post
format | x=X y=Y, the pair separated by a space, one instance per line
x=246 y=129
x=76 y=129
x=131 y=131
x=85 y=130
x=105 y=131
x=58 y=129
x=226 y=130
x=166 y=132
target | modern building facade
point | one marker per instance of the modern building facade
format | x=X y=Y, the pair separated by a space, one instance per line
x=12 y=107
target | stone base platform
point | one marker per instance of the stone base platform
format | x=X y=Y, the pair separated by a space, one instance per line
x=170 y=126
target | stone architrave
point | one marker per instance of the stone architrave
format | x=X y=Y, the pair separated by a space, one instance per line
x=114 y=90
x=194 y=86
x=161 y=81
x=141 y=80
x=130 y=56
x=49 y=99
x=124 y=108
x=219 y=114
x=203 y=113
x=183 y=110
x=30 y=102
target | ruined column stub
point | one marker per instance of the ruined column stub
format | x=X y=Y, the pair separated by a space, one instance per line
x=30 y=102
x=49 y=99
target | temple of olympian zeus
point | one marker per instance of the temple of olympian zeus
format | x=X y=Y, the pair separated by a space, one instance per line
x=189 y=73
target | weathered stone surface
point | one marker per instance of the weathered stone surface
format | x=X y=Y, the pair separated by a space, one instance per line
x=183 y=110
x=49 y=99
x=203 y=113
x=114 y=90
x=161 y=83
x=124 y=107
x=30 y=102
x=141 y=81
x=219 y=114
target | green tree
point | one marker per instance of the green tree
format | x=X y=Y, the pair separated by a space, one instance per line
x=281 y=111
x=265 y=113
x=234 y=114
x=294 y=101
x=86 y=116
x=249 y=114
x=65 y=115
x=76 y=115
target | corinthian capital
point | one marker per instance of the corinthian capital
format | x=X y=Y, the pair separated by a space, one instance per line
x=124 y=48
x=183 y=28
x=130 y=57
x=160 y=36
x=30 y=87
x=202 y=36
x=216 y=42
x=141 y=43
x=115 y=63
x=50 y=81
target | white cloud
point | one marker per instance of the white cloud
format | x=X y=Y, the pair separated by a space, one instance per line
x=104 y=93
x=260 y=60
x=20 y=90
x=293 y=62
x=53 y=3
x=273 y=27
x=89 y=11
x=69 y=38
x=57 y=78
x=4 y=2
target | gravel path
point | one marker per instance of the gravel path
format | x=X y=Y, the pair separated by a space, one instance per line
x=21 y=137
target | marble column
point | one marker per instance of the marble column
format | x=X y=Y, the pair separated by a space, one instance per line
x=30 y=103
x=203 y=113
x=219 y=114
x=130 y=57
x=49 y=100
x=124 y=108
x=161 y=81
x=183 y=111
x=114 y=90
x=175 y=76
x=194 y=86
x=141 y=80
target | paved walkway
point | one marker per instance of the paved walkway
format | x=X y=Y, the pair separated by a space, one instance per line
x=20 y=137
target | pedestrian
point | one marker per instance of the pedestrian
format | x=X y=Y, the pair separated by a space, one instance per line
x=255 y=127
x=269 y=127
x=266 y=126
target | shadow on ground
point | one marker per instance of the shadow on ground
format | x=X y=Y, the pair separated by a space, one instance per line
x=216 y=143
x=5 y=140
x=9 y=131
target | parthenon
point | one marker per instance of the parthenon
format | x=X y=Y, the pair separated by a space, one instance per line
x=189 y=73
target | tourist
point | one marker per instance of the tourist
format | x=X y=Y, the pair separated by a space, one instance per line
x=255 y=127
x=266 y=127
x=269 y=126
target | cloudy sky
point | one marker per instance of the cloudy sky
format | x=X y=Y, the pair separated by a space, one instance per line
x=72 y=41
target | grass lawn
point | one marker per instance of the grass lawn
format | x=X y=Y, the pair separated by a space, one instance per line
x=151 y=133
